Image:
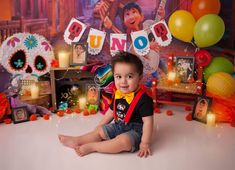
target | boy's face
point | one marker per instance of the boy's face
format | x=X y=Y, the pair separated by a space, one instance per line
x=126 y=77
x=132 y=18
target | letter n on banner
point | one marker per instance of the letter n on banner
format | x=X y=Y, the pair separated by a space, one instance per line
x=74 y=31
x=117 y=43
x=161 y=33
x=95 y=41
x=140 y=42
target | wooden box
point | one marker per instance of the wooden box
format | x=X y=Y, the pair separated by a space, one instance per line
x=61 y=78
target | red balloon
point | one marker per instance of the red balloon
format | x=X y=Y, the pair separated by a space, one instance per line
x=203 y=7
x=203 y=58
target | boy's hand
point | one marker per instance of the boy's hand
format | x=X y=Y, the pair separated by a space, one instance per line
x=144 y=150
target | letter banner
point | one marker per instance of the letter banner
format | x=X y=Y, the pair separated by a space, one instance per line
x=140 y=42
x=161 y=33
x=95 y=41
x=117 y=43
x=74 y=31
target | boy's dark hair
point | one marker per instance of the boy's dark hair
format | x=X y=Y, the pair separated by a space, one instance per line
x=125 y=57
x=131 y=5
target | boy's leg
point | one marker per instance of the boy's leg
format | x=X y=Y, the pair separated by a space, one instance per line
x=120 y=143
x=93 y=136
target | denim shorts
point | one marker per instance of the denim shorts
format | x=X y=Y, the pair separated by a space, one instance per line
x=133 y=130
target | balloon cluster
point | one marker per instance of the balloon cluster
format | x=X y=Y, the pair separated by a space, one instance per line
x=203 y=23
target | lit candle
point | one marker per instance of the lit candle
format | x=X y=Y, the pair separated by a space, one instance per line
x=210 y=120
x=34 y=89
x=171 y=76
x=63 y=59
x=82 y=103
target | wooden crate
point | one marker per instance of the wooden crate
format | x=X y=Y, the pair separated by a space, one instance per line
x=42 y=100
x=70 y=76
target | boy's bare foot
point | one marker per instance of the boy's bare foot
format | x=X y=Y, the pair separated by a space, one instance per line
x=68 y=141
x=84 y=149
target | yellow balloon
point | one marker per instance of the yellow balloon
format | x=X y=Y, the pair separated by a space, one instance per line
x=181 y=25
x=221 y=84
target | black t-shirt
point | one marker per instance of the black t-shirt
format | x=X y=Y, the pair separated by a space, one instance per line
x=143 y=108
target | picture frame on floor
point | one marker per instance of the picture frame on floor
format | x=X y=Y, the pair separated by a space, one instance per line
x=20 y=114
x=79 y=54
x=201 y=108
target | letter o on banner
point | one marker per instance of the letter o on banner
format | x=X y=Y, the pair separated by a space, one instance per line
x=140 y=42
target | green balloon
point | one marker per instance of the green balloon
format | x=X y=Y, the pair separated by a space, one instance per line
x=208 y=30
x=218 y=64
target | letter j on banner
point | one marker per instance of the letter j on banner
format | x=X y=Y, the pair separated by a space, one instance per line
x=117 y=43
x=140 y=42
x=161 y=33
x=74 y=31
x=95 y=41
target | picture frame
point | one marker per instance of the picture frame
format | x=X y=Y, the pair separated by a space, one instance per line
x=201 y=108
x=184 y=66
x=79 y=54
x=92 y=94
x=20 y=114
x=45 y=87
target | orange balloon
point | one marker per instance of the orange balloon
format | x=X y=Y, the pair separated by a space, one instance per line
x=203 y=7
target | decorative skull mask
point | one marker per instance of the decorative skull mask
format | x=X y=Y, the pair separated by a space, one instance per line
x=25 y=55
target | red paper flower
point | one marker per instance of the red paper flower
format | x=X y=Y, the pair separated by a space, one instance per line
x=169 y=113
x=68 y=111
x=55 y=63
x=33 y=117
x=60 y=113
x=77 y=110
x=7 y=121
x=157 y=110
x=189 y=117
x=46 y=116
x=86 y=112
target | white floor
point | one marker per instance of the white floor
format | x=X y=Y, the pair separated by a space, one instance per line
x=177 y=145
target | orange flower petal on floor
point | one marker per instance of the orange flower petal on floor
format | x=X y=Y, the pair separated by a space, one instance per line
x=86 y=112
x=169 y=113
x=189 y=117
x=46 y=117
x=60 y=113
x=93 y=111
x=68 y=111
x=157 y=110
x=7 y=121
x=77 y=110
x=33 y=117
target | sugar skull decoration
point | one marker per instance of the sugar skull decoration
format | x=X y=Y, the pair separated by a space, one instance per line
x=26 y=55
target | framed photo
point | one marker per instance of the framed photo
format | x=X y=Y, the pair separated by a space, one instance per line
x=45 y=87
x=92 y=94
x=20 y=114
x=184 y=68
x=201 y=107
x=79 y=54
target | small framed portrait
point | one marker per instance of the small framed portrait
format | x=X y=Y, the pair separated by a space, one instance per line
x=201 y=108
x=79 y=54
x=184 y=68
x=92 y=94
x=20 y=114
